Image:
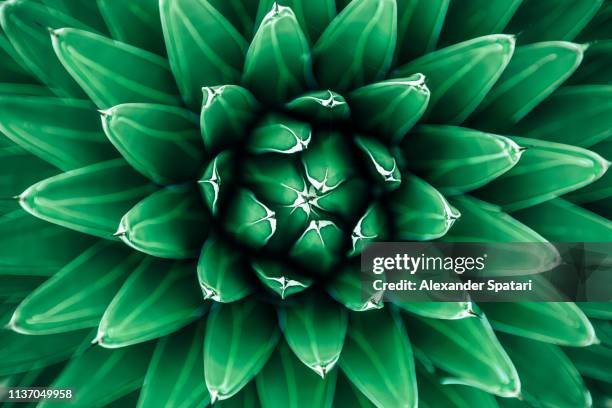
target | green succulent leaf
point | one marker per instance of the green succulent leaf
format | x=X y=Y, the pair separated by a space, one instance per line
x=204 y=49
x=15 y=287
x=278 y=63
x=321 y=240
x=158 y=298
x=320 y=106
x=240 y=337
x=23 y=249
x=597 y=310
x=380 y=366
x=600 y=189
x=246 y=398
x=137 y=75
x=64 y=132
x=81 y=10
x=12 y=67
x=548 y=378
x=315 y=327
x=404 y=99
x=285 y=382
x=592 y=362
x=175 y=376
x=419 y=211
x=381 y=164
x=241 y=13
x=278 y=134
x=26 y=25
x=77 y=295
x=346 y=395
x=19 y=353
x=90 y=199
x=456 y=160
x=24 y=89
x=217 y=180
x=153 y=138
x=116 y=373
x=534 y=72
x=438 y=310
x=347 y=288
x=227 y=113
x=468 y=350
x=461 y=75
x=168 y=224
x=594 y=67
x=136 y=23
x=603 y=330
x=577 y=115
x=277 y=179
x=249 y=220
x=419 y=25
x=546 y=170
x=357 y=47
x=280 y=277
x=433 y=393
x=24 y=169
x=223 y=274
x=371 y=227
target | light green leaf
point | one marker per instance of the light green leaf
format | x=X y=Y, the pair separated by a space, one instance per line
x=279 y=134
x=249 y=220
x=404 y=101
x=223 y=273
x=546 y=170
x=101 y=376
x=347 y=288
x=240 y=337
x=77 y=295
x=548 y=378
x=278 y=63
x=468 y=350
x=438 y=310
x=373 y=226
x=168 y=224
x=460 y=76
x=280 y=277
x=64 y=132
x=175 y=376
x=419 y=211
x=314 y=327
x=534 y=72
x=456 y=160
x=217 y=180
x=320 y=107
x=158 y=298
x=25 y=249
x=91 y=199
x=137 y=75
x=418 y=28
x=285 y=382
x=228 y=111
x=203 y=47
x=357 y=47
x=377 y=358
x=322 y=240
x=602 y=188
x=154 y=138
x=381 y=163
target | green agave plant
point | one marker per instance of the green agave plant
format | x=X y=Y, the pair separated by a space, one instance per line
x=195 y=181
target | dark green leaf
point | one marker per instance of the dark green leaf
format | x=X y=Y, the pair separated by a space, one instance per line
x=418 y=28
x=12 y=67
x=217 y=181
x=241 y=13
x=85 y=11
x=592 y=362
x=20 y=170
x=597 y=310
x=346 y=395
x=602 y=188
x=15 y=287
x=438 y=310
x=320 y=106
x=279 y=134
x=249 y=220
x=594 y=67
x=380 y=162
x=246 y=398
x=281 y=277
x=24 y=89
x=347 y=288
x=434 y=394
x=322 y=240
x=372 y=226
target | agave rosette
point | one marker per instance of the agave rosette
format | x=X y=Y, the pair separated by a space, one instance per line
x=195 y=181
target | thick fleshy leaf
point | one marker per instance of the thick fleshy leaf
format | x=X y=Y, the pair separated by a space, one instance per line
x=25 y=249
x=438 y=310
x=579 y=225
x=377 y=358
x=241 y=13
x=546 y=20
x=592 y=362
x=249 y=220
x=468 y=350
x=223 y=274
x=418 y=28
x=346 y=395
x=240 y=337
x=91 y=199
x=280 y=277
x=203 y=47
x=279 y=134
x=285 y=382
x=15 y=287
x=546 y=170
x=136 y=23
x=382 y=164
x=154 y=138
x=322 y=240
x=475 y=18
x=534 y=72
x=602 y=188
x=594 y=67
x=419 y=212
x=246 y=398
x=24 y=89
x=548 y=378
x=603 y=330
x=20 y=170
x=320 y=106
x=357 y=47
x=85 y=11
x=137 y=75
x=278 y=63
x=12 y=68
x=314 y=328
x=217 y=180
x=457 y=160
x=433 y=394
x=371 y=227
x=77 y=295
x=168 y=224
x=561 y=323
x=228 y=111
x=597 y=310
x=26 y=24
x=404 y=99
x=577 y=115
x=175 y=376
x=158 y=298
x=20 y=352
x=101 y=376
x=460 y=76
x=347 y=288
x=63 y=132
